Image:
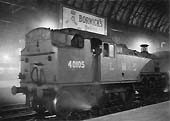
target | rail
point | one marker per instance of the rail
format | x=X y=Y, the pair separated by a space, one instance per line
x=15 y=112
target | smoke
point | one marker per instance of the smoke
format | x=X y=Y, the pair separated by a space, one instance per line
x=79 y=97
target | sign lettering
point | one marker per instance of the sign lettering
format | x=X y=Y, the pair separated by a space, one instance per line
x=83 y=21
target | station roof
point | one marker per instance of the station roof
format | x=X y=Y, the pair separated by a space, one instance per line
x=144 y=14
x=148 y=14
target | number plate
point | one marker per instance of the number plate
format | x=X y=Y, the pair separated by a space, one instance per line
x=76 y=64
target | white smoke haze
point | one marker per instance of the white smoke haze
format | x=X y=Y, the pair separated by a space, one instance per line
x=79 y=97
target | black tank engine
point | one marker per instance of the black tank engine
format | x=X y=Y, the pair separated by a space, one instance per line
x=73 y=69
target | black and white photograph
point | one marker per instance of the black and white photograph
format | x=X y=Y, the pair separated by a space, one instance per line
x=84 y=60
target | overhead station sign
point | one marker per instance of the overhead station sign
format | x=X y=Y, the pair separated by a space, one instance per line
x=83 y=21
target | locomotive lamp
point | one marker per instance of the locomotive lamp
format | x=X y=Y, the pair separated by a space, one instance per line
x=21 y=76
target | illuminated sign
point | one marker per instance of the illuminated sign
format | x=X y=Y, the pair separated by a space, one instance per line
x=83 y=21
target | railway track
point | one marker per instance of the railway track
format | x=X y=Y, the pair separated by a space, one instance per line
x=21 y=112
x=15 y=112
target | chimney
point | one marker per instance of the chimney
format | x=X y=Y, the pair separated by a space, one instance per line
x=144 y=48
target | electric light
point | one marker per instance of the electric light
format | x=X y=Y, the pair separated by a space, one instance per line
x=48 y=23
x=6 y=58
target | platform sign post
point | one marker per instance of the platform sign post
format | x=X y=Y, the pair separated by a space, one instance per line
x=71 y=18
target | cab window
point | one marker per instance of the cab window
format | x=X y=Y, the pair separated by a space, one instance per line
x=105 y=49
x=111 y=51
x=108 y=50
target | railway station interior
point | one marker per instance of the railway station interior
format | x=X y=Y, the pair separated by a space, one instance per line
x=85 y=60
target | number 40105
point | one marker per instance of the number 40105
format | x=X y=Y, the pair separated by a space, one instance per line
x=76 y=64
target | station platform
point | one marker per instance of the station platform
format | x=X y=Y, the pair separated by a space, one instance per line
x=155 y=112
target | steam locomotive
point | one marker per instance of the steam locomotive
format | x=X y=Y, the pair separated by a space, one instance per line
x=73 y=69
